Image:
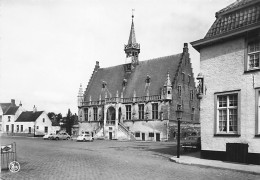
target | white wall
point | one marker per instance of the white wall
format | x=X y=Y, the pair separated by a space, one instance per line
x=223 y=68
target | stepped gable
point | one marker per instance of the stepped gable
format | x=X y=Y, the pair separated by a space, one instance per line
x=29 y=116
x=237 y=16
x=157 y=70
x=11 y=110
x=113 y=78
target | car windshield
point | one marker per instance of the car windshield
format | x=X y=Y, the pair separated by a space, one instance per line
x=193 y=138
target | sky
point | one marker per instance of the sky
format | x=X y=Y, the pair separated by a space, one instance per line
x=49 y=47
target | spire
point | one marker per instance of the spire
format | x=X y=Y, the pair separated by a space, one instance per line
x=132 y=49
x=80 y=96
x=132 y=39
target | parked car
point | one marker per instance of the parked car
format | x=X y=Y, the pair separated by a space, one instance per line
x=192 y=142
x=85 y=137
x=62 y=135
x=48 y=136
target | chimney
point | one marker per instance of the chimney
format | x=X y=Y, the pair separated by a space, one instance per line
x=97 y=66
x=13 y=102
x=185 y=48
x=34 y=109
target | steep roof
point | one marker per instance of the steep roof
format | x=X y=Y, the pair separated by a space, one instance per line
x=29 y=116
x=113 y=78
x=239 y=17
x=11 y=110
x=5 y=106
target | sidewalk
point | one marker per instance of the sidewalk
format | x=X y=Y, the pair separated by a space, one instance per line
x=194 y=159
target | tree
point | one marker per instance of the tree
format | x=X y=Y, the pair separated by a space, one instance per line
x=69 y=122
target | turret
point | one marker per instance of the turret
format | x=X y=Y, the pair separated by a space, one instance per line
x=167 y=88
x=132 y=49
x=80 y=96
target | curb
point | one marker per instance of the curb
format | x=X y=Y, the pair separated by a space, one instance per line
x=215 y=167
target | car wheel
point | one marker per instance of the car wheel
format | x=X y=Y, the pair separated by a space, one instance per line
x=84 y=140
x=68 y=138
x=49 y=138
x=56 y=138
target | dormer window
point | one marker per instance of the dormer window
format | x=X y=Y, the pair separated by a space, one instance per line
x=148 y=78
x=124 y=82
x=104 y=84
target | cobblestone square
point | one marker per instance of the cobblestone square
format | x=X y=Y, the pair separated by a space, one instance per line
x=49 y=159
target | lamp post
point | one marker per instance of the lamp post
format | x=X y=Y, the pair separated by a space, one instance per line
x=179 y=112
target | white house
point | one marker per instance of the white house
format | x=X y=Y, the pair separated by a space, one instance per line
x=230 y=84
x=35 y=123
x=9 y=113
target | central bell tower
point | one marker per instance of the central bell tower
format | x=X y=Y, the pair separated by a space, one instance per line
x=132 y=49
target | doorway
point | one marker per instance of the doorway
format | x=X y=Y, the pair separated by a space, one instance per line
x=30 y=130
x=12 y=128
x=110 y=135
x=158 y=137
x=143 y=136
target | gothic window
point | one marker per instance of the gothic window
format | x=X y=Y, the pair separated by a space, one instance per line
x=183 y=76
x=95 y=113
x=128 y=112
x=191 y=95
x=192 y=113
x=189 y=77
x=86 y=114
x=155 y=110
x=179 y=90
x=141 y=111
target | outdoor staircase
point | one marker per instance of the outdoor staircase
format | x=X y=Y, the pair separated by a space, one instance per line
x=122 y=127
x=99 y=132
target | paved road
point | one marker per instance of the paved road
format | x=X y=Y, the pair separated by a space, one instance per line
x=46 y=159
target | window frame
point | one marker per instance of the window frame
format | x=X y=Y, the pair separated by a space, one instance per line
x=216 y=114
x=257 y=112
x=141 y=111
x=179 y=89
x=155 y=110
x=137 y=134
x=85 y=114
x=128 y=112
x=95 y=109
x=151 y=134
x=191 y=95
x=21 y=128
x=192 y=113
x=252 y=39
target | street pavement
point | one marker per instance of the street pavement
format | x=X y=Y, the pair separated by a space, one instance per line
x=101 y=159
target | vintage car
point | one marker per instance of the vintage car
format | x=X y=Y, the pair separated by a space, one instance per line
x=85 y=137
x=191 y=143
x=62 y=135
x=48 y=136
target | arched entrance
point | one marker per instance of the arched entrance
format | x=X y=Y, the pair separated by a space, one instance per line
x=111 y=116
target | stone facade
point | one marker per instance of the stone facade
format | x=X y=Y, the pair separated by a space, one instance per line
x=138 y=100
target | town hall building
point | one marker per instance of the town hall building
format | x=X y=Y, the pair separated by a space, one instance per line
x=138 y=100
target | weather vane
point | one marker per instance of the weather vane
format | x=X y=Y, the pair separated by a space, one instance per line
x=133 y=13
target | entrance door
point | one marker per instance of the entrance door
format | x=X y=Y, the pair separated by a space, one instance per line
x=12 y=128
x=143 y=136
x=30 y=130
x=110 y=135
x=157 y=136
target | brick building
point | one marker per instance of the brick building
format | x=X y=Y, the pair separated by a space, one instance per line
x=230 y=84
x=138 y=100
